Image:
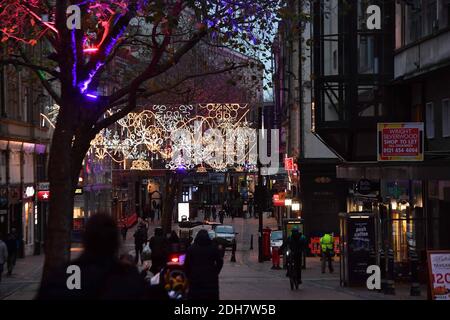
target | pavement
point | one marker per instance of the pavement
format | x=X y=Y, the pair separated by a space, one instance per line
x=245 y=279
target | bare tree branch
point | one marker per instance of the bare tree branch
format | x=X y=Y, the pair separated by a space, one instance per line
x=17 y=62
x=123 y=112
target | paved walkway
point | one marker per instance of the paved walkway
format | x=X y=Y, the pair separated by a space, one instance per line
x=245 y=279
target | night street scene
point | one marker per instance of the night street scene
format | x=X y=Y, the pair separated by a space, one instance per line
x=209 y=151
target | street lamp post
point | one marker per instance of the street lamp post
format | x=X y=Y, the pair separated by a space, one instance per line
x=259 y=195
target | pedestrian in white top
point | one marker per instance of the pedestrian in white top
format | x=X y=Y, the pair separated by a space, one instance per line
x=3 y=256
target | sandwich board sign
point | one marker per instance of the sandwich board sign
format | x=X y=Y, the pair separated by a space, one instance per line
x=439 y=274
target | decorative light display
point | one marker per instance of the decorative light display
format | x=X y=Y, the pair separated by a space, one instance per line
x=186 y=135
x=216 y=136
x=140 y=165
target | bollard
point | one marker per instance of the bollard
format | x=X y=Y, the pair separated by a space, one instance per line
x=251 y=242
x=233 y=252
x=414 y=263
x=390 y=284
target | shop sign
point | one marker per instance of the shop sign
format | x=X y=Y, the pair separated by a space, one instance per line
x=360 y=241
x=43 y=195
x=79 y=191
x=289 y=164
x=29 y=192
x=439 y=274
x=322 y=180
x=364 y=187
x=401 y=141
x=43 y=186
x=278 y=199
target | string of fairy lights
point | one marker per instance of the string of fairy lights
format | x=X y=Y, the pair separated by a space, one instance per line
x=214 y=136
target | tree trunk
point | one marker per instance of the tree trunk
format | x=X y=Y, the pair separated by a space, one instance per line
x=57 y=245
x=65 y=163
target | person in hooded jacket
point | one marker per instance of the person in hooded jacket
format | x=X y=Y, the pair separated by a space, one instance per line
x=102 y=275
x=297 y=244
x=202 y=265
x=159 y=246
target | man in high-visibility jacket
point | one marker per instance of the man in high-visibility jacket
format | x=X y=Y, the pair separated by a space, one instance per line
x=327 y=248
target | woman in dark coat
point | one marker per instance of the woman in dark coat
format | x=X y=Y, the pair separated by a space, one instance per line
x=203 y=264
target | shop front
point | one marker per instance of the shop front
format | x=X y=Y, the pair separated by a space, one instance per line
x=28 y=218
x=411 y=215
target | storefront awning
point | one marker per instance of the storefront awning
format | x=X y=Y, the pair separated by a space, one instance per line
x=430 y=170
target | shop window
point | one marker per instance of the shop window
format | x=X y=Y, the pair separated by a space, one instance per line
x=413 y=23
x=446 y=118
x=2 y=167
x=367 y=60
x=330 y=38
x=29 y=221
x=431 y=23
x=28 y=168
x=333 y=106
x=14 y=167
x=430 y=120
x=370 y=102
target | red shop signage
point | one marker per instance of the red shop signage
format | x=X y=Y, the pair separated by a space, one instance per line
x=400 y=141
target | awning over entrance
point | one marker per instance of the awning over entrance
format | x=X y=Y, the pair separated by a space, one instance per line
x=430 y=170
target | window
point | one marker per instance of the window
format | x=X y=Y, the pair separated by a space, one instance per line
x=432 y=19
x=446 y=118
x=430 y=120
x=2 y=167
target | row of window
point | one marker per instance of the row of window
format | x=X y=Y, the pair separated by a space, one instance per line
x=430 y=119
x=416 y=19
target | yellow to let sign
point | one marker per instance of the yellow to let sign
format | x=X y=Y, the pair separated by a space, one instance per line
x=403 y=141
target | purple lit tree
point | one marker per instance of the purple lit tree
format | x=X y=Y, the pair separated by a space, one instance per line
x=71 y=63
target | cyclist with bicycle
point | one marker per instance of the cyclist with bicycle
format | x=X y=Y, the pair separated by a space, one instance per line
x=295 y=245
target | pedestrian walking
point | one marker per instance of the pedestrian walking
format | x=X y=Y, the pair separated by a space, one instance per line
x=103 y=275
x=124 y=229
x=214 y=213
x=207 y=213
x=3 y=256
x=12 y=243
x=221 y=215
x=203 y=264
x=297 y=244
x=159 y=247
x=158 y=211
x=327 y=251
x=140 y=238
x=152 y=216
